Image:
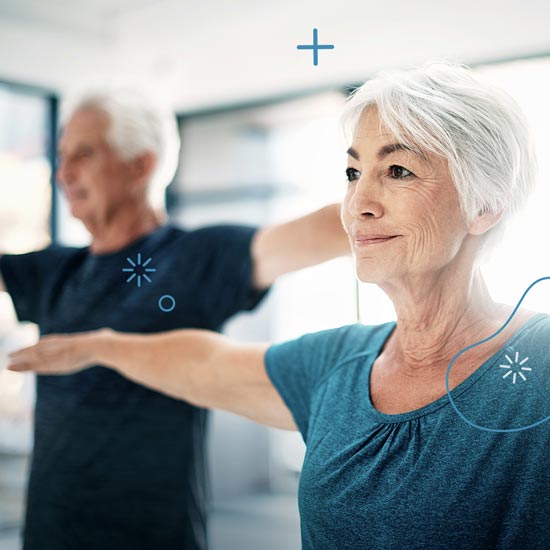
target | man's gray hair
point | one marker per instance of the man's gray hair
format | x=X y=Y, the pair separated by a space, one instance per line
x=138 y=124
x=451 y=111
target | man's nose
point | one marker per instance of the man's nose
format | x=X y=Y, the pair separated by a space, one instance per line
x=64 y=173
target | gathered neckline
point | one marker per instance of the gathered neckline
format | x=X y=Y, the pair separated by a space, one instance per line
x=458 y=390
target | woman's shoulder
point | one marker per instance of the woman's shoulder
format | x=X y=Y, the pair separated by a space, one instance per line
x=536 y=329
x=367 y=336
x=316 y=355
x=529 y=343
x=345 y=341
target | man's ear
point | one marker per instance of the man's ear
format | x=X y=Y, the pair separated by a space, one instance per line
x=143 y=166
x=484 y=222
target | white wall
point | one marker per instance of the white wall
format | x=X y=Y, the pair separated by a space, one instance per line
x=53 y=57
x=212 y=52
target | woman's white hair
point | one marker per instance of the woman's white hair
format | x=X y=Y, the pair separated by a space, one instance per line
x=479 y=129
x=138 y=124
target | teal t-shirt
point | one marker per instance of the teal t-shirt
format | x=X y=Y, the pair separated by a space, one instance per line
x=424 y=479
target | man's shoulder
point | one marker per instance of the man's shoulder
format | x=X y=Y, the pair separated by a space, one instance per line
x=209 y=236
x=220 y=231
x=227 y=243
x=52 y=251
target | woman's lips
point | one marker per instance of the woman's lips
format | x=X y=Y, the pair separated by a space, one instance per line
x=369 y=240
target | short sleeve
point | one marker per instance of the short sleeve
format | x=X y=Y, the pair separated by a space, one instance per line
x=26 y=277
x=226 y=286
x=297 y=367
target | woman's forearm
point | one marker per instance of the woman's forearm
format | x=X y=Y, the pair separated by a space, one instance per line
x=204 y=368
x=179 y=363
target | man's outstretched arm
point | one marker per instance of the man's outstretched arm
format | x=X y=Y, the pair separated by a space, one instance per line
x=2 y=285
x=306 y=241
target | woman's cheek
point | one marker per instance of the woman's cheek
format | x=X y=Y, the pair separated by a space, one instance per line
x=345 y=214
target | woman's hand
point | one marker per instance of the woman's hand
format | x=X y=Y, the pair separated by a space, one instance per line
x=201 y=367
x=58 y=354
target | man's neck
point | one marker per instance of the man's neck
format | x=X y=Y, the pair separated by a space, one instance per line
x=123 y=230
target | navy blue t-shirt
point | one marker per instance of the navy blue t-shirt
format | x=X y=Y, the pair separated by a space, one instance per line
x=115 y=465
x=424 y=479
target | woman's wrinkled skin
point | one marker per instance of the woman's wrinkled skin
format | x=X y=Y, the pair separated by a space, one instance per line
x=427 y=267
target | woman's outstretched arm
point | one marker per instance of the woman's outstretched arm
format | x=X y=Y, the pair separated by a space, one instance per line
x=198 y=366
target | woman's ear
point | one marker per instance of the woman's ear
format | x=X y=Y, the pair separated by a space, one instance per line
x=484 y=222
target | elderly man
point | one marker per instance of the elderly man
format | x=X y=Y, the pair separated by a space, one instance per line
x=117 y=465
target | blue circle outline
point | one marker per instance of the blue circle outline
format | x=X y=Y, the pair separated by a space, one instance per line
x=169 y=309
x=473 y=424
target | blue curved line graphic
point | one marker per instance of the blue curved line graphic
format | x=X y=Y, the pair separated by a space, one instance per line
x=464 y=350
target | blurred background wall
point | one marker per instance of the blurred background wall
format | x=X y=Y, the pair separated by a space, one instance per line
x=261 y=143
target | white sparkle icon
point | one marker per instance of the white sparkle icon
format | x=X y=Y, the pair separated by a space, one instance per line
x=515 y=372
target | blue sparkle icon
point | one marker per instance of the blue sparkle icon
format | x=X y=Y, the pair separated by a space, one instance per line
x=138 y=270
x=315 y=47
x=515 y=371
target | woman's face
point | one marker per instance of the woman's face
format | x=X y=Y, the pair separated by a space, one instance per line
x=401 y=210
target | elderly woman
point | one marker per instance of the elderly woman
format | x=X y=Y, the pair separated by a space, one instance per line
x=438 y=162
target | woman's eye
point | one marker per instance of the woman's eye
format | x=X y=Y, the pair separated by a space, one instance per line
x=399 y=173
x=352 y=174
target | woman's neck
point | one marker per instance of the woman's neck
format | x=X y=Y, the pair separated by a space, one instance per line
x=441 y=316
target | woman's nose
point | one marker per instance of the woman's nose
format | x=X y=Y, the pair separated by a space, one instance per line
x=365 y=199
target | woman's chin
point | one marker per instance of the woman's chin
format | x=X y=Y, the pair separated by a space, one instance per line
x=370 y=272
x=370 y=277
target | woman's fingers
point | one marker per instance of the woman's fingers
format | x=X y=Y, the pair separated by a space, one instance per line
x=19 y=366
x=51 y=355
x=23 y=359
x=31 y=358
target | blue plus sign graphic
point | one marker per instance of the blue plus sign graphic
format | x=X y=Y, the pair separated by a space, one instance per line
x=315 y=47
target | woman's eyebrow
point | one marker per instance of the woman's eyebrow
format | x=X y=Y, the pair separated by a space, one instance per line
x=386 y=150
x=353 y=153
x=390 y=148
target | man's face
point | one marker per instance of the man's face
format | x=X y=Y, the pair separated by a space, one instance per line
x=95 y=180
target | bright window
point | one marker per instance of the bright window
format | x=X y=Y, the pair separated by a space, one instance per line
x=25 y=194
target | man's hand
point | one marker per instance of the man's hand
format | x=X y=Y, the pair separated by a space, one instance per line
x=58 y=354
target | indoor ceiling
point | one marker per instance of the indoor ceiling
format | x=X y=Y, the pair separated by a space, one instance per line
x=212 y=52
